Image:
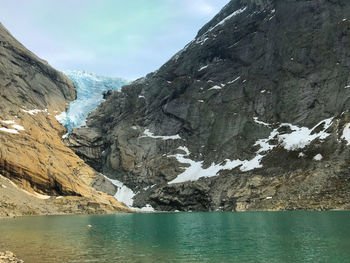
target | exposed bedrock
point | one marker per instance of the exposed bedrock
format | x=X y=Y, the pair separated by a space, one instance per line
x=252 y=114
x=32 y=154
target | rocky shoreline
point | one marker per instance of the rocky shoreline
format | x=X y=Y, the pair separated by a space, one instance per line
x=9 y=257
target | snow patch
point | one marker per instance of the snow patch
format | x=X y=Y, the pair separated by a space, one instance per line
x=148 y=133
x=8 y=130
x=9 y=122
x=346 y=134
x=35 y=194
x=233 y=81
x=126 y=195
x=302 y=136
x=33 y=112
x=15 y=127
x=215 y=87
x=147 y=208
x=40 y=196
x=260 y=122
x=222 y=22
x=18 y=127
x=204 y=67
x=202 y=39
x=318 y=157
x=196 y=171
x=298 y=138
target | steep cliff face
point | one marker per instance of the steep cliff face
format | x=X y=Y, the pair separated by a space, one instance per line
x=252 y=114
x=31 y=152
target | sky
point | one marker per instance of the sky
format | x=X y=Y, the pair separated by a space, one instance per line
x=119 y=38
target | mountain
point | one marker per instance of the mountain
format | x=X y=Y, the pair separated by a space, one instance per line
x=251 y=115
x=38 y=174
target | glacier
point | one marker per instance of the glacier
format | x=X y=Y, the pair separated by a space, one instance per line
x=90 y=88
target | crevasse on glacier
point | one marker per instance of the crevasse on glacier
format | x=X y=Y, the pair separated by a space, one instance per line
x=90 y=88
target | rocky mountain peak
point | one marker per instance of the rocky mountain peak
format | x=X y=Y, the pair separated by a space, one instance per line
x=235 y=8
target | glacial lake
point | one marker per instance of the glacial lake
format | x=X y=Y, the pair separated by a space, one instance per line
x=181 y=237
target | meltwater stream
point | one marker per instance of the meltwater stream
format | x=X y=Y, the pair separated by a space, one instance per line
x=90 y=88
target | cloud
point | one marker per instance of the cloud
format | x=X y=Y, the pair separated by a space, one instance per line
x=110 y=37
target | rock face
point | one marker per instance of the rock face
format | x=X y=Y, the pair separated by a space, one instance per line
x=252 y=114
x=31 y=151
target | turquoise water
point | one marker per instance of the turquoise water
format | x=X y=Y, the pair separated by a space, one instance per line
x=181 y=237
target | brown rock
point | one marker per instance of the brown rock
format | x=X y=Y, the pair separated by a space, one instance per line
x=32 y=154
x=9 y=257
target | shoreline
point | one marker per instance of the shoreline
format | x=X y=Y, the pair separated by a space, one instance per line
x=9 y=257
x=67 y=214
x=173 y=212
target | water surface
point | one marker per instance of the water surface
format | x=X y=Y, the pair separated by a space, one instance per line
x=181 y=237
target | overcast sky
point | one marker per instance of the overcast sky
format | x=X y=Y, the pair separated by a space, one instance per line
x=120 y=38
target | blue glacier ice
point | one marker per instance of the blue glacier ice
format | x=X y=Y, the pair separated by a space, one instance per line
x=90 y=88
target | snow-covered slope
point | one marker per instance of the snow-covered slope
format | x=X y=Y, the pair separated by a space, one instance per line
x=90 y=88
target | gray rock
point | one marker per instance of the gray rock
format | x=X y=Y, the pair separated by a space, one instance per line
x=279 y=61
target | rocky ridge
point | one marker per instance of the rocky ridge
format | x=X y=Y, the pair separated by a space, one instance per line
x=251 y=115
x=32 y=155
